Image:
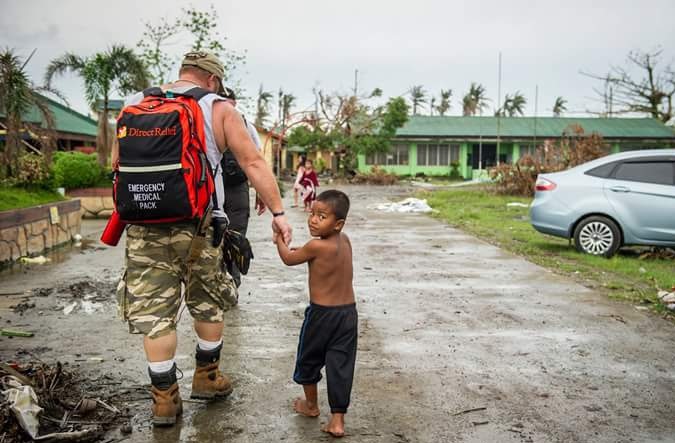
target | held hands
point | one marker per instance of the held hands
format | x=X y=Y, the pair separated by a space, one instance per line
x=281 y=230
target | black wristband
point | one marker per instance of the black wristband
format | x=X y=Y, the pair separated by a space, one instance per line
x=278 y=214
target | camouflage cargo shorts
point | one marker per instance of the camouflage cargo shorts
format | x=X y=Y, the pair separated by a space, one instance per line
x=149 y=293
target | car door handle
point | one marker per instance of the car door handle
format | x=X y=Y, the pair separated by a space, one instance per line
x=619 y=189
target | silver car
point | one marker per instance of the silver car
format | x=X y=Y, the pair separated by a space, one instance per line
x=621 y=199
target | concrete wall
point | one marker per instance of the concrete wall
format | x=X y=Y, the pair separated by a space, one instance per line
x=94 y=202
x=30 y=231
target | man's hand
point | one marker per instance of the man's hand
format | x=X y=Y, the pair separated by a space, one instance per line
x=219 y=227
x=259 y=205
x=281 y=228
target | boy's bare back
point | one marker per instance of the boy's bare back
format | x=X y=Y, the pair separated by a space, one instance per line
x=331 y=272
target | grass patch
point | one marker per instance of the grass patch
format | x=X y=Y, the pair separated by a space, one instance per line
x=482 y=213
x=15 y=197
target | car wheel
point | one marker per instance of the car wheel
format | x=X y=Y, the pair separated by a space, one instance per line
x=597 y=235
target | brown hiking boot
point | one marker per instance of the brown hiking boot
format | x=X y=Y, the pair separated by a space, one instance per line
x=166 y=405
x=209 y=383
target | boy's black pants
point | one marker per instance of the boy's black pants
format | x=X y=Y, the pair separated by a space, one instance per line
x=328 y=338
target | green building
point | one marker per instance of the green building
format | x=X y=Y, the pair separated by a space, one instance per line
x=72 y=129
x=430 y=145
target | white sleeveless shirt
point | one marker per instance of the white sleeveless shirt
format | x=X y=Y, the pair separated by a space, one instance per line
x=212 y=152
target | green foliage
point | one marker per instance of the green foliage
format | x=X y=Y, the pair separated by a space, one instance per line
x=444 y=105
x=310 y=138
x=15 y=197
x=76 y=170
x=262 y=106
x=475 y=101
x=200 y=29
x=117 y=68
x=418 y=97
x=320 y=165
x=513 y=105
x=559 y=106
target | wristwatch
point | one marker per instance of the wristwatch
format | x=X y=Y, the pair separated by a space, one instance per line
x=278 y=214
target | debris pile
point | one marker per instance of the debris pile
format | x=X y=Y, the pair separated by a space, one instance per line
x=407 y=205
x=52 y=403
x=668 y=298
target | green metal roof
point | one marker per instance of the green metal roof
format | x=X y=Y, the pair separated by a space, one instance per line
x=65 y=119
x=518 y=127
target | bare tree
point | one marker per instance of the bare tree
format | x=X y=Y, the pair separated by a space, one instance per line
x=652 y=93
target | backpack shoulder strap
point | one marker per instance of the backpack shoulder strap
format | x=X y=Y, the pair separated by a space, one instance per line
x=196 y=93
x=153 y=92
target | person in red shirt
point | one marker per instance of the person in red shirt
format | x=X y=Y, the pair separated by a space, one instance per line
x=309 y=183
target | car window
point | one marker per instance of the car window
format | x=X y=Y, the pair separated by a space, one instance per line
x=603 y=171
x=647 y=172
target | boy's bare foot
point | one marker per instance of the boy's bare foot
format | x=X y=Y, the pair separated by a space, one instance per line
x=301 y=406
x=336 y=426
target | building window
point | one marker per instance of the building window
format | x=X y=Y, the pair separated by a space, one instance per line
x=429 y=154
x=397 y=155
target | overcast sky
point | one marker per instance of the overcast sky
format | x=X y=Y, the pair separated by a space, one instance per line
x=297 y=44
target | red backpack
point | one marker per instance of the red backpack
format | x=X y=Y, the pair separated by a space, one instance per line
x=163 y=173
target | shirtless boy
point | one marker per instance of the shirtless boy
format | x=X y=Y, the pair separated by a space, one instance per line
x=329 y=331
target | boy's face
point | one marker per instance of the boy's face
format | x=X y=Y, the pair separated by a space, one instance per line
x=322 y=221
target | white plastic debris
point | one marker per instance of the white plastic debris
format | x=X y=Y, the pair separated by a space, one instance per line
x=517 y=205
x=69 y=308
x=667 y=297
x=39 y=260
x=24 y=404
x=407 y=205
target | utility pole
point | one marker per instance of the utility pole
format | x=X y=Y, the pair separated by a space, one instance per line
x=499 y=106
x=536 y=102
x=356 y=82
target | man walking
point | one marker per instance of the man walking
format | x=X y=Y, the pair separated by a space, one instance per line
x=235 y=182
x=157 y=255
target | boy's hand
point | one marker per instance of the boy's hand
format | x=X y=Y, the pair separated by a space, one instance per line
x=281 y=228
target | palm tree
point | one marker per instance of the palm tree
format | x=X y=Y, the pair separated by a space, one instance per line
x=444 y=105
x=17 y=96
x=559 y=107
x=512 y=105
x=116 y=69
x=417 y=97
x=285 y=105
x=262 y=106
x=475 y=101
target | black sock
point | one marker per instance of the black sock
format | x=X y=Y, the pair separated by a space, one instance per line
x=163 y=380
x=205 y=358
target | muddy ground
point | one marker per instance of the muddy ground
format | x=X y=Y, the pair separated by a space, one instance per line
x=448 y=323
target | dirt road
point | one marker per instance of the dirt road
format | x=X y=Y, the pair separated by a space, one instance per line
x=447 y=323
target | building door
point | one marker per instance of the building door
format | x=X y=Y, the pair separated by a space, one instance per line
x=488 y=154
